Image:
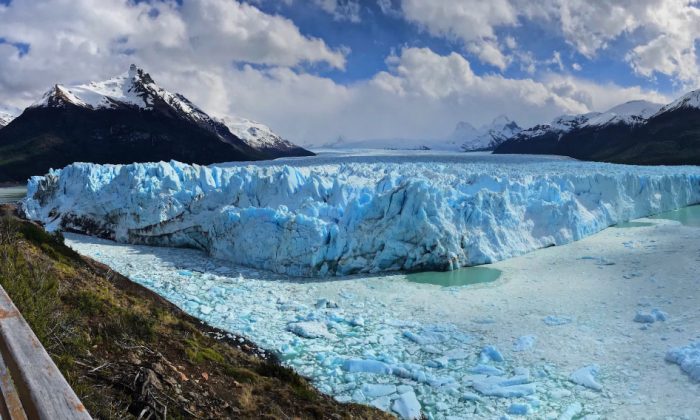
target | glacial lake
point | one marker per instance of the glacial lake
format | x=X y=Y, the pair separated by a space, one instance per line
x=12 y=194
x=461 y=277
x=688 y=216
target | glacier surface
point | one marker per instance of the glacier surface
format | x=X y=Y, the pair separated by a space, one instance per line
x=339 y=216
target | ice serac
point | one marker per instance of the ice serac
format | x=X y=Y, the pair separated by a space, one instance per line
x=357 y=216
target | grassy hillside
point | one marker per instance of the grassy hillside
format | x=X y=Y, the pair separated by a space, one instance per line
x=128 y=353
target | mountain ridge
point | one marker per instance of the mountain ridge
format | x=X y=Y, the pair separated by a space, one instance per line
x=125 y=119
x=635 y=132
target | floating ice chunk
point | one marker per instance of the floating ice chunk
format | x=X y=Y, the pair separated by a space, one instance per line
x=525 y=342
x=407 y=406
x=358 y=396
x=343 y=398
x=519 y=409
x=559 y=393
x=456 y=354
x=482 y=369
x=573 y=410
x=357 y=321
x=378 y=390
x=643 y=318
x=659 y=315
x=440 y=362
x=490 y=353
x=688 y=358
x=382 y=403
x=206 y=310
x=554 y=320
x=309 y=329
x=586 y=376
x=426 y=337
x=366 y=365
x=325 y=303
x=469 y=396
x=516 y=386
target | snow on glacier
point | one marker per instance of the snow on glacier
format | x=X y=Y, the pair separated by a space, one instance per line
x=362 y=215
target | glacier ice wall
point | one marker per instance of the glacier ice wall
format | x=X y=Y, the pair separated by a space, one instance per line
x=357 y=216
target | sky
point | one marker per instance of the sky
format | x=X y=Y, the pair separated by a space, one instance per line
x=317 y=70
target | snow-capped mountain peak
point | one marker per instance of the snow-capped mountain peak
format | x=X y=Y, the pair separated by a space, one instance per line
x=630 y=113
x=135 y=88
x=485 y=137
x=689 y=100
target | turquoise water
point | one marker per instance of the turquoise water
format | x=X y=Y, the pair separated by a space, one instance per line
x=633 y=224
x=462 y=277
x=688 y=216
x=12 y=194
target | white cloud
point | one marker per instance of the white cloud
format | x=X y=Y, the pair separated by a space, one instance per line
x=472 y=22
x=341 y=9
x=663 y=33
x=73 y=40
x=231 y=58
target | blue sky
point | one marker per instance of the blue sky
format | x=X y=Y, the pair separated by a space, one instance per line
x=315 y=70
x=378 y=34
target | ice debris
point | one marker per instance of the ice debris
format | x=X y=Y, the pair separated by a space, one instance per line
x=554 y=320
x=407 y=406
x=519 y=409
x=586 y=376
x=688 y=358
x=573 y=410
x=515 y=386
x=526 y=342
x=650 y=318
x=309 y=329
x=490 y=353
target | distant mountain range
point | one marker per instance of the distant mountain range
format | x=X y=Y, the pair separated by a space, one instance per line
x=126 y=119
x=636 y=132
x=464 y=138
x=487 y=137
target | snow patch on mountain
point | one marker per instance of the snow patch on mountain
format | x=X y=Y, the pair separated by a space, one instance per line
x=689 y=100
x=255 y=134
x=630 y=113
x=134 y=88
x=359 y=215
x=5 y=118
x=486 y=137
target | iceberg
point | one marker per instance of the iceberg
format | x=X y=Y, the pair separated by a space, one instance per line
x=358 y=215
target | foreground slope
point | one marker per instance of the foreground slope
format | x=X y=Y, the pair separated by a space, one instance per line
x=126 y=119
x=131 y=354
x=636 y=132
x=360 y=214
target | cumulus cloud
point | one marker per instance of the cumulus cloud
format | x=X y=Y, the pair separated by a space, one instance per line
x=472 y=22
x=663 y=33
x=341 y=9
x=231 y=58
x=71 y=40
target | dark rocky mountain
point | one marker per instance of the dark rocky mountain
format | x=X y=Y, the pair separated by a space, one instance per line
x=122 y=120
x=633 y=133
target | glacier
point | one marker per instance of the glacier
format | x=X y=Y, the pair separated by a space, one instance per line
x=339 y=216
